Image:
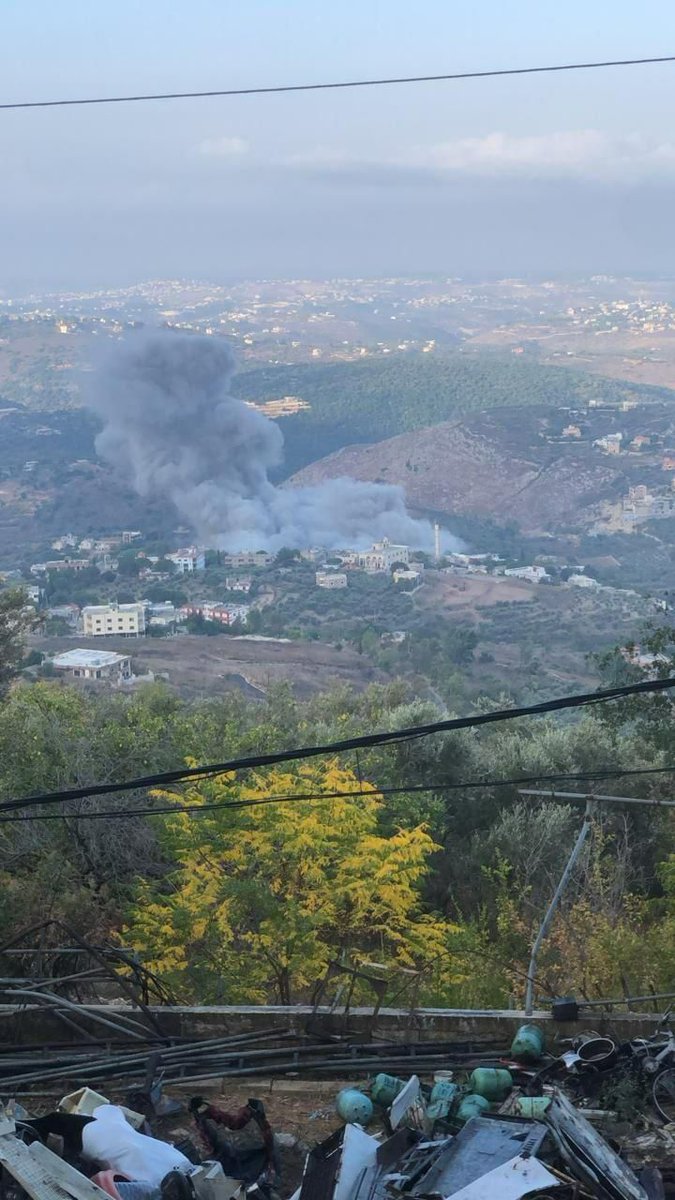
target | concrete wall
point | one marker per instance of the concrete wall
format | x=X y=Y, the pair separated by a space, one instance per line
x=34 y=1026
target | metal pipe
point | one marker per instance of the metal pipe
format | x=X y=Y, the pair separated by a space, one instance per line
x=550 y=912
x=554 y=794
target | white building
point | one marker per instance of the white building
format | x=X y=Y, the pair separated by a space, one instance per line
x=383 y=555
x=93 y=664
x=407 y=576
x=188 y=560
x=583 y=581
x=113 y=620
x=331 y=579
x=532 y=574
x=164 y=614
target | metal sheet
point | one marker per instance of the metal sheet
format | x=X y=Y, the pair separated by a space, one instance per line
x=588 y=1156
x=511 y=1180
x=483 y=1144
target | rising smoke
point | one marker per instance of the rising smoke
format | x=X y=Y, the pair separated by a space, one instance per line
x=172 y=424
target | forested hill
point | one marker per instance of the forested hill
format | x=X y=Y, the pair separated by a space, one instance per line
x=379 y=398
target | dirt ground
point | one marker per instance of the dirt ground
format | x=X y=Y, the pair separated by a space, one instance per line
x=207 y=666
x=469 y=592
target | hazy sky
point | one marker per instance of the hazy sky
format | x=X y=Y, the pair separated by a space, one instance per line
x=552 y=173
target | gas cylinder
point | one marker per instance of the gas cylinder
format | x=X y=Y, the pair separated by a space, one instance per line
x=491 y=1082
x=528 y=1044
x=353 y=1106
x=471 y=1106
x=444 y=1089
x=385 y=1088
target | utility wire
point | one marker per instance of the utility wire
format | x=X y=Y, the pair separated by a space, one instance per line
x=197 y=810
x=160 y=779
x=335 y=86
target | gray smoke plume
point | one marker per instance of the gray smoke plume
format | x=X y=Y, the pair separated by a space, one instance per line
x=171 y=422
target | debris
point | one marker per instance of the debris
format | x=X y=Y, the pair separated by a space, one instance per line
x=588 y=1156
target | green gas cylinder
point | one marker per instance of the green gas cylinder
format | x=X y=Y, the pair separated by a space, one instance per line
x=353 y=1106
x=444 y=1089
x=492 y=1083
x=385 y=1088
x=471 y=1106
x=528 y=1044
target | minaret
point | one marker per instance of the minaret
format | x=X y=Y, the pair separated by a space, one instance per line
x=437 y=542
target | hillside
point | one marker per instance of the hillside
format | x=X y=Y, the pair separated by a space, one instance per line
x=494 y=464
x=375 y=399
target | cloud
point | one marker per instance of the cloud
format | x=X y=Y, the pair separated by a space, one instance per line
x=223 y=147
x=590 y=154
x=580 y=152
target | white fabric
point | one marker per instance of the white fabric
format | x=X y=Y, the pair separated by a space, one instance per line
x=110 y=1139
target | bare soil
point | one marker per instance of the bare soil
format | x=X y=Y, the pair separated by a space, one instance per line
x=211 y=666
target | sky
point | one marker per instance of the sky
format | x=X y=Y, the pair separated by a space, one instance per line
x=568 y=173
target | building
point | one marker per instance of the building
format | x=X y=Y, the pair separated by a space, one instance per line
x=70 y=613
x=247 y=558
x=331 y=579
x=113 y=620
x=532 y=574
x=34 y=592
x=188 y=560
x=610 y=443
x=583 y=581
x=223 y=614
x=60 y=564
x=383 y=555
x=130 y=535
x=238 y=583
x=407 y=576
x=571 y=431
x=164 y=614
x=93 y=664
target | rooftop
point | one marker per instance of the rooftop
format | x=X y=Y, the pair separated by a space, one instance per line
x=88 y=658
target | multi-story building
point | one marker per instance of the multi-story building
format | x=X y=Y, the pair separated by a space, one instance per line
x=247 y=558
x=533 y=574
x=331 y=579
x=383 y=555
x=224 y=614
x=113 y=620
x=188 y=560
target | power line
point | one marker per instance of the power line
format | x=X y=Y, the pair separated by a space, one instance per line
x=341 y=85
x=160 y=779
x=197 y=810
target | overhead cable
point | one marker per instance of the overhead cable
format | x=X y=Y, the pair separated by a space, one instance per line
x=339 y=85
x=198 y=810
x=182 y=774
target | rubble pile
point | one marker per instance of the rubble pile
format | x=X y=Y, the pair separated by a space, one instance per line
x=596 y=1122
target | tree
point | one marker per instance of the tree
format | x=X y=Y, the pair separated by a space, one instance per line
x=16 y=618
x=262 y=898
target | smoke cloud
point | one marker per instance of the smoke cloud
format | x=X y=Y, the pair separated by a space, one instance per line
x=171 y=423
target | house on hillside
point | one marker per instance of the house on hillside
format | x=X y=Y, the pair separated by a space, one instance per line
x=93 y=664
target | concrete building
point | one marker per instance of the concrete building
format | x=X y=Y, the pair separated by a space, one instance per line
x=383 y=555
x=224 y=614
x=248 y=558
x=113 y=620
x=93 y=664
x=331 y=579
x=70 y=613
x=583 y=581
x=60 y=564
x=164 y=614
x=188 y=560
x=407 y=576
x=532 y=574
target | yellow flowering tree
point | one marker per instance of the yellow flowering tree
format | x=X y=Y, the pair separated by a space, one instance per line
x=264 y=896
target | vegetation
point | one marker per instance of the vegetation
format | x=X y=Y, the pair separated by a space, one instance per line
x=249 y=903
x=375 y=399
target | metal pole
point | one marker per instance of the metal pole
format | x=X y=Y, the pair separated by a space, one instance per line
x=554 y=794
x=544 y=927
